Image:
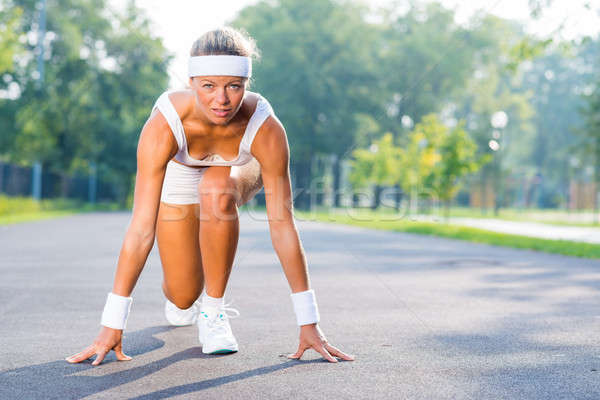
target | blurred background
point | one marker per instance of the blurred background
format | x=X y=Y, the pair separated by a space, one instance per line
x=453 y=109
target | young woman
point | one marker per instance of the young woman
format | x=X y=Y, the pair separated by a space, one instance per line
x=202 y=153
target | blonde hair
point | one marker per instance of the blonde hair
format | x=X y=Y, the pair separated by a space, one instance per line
x=225 y=41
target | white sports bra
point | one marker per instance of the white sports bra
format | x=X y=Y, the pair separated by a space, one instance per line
x=262 y=111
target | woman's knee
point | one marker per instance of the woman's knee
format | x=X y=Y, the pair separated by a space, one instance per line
x=181 y=299
x=183 y=303
x=219 y=196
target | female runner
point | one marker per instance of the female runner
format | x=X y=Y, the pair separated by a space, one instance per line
x=202 y=153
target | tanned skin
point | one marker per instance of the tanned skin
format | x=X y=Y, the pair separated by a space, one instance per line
x=197 y=242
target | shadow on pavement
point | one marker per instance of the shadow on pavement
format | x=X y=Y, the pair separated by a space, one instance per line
x=209 y=383
x=61 y=380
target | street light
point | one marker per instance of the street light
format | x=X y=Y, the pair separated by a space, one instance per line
x=36 y=181
x=499 y=120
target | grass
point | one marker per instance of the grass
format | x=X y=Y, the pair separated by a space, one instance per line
x=21 y=209
x=384 y=221
x=579 y=218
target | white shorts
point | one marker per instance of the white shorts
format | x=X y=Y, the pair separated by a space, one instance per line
x=181 y=182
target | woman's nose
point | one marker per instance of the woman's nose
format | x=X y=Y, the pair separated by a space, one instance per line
x=222 y=97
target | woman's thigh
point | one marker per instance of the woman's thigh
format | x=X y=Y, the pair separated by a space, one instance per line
x=177 y=232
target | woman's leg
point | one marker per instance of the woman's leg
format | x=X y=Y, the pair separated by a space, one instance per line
x=176 y=234
x=221 y=191
x=219 y=228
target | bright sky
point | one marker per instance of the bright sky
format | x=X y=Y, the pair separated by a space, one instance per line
x=180 y=22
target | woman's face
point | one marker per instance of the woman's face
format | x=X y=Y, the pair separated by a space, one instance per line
x=218 y=98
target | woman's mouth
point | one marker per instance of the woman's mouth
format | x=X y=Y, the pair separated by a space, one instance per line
x=221 y=112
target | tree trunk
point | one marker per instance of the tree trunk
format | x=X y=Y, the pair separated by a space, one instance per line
x=397 y=197
x=596 y=179
x=127 y=189
x=302 y=171
x=316 y=184
x=64 y=185
x=355 y=200
x=377 y=197
x=1 y=177
x=482 y=194
x=414 y=201
x=337 y=178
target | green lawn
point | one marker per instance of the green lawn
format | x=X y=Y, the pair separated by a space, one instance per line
x=15 y=209
x=22 y=209
x=386 y=221
x=544 y=216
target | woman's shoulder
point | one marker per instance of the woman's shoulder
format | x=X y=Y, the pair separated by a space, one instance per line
x=182 y=101
x=252 y=98
x=257 y=96
x=258 y=100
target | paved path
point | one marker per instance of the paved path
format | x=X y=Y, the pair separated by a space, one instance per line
x=525 y=228
x=533 y=229
x=427 y=318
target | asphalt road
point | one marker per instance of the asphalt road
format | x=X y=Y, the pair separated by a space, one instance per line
x=426 y=318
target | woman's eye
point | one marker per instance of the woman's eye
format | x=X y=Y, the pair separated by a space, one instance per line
x=235 y=86
x=207 y=85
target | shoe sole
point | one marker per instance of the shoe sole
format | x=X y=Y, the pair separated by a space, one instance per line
x=222 y=351
x=219 y=351
x=172 y=324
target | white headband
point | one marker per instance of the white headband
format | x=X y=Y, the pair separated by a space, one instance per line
x=220 y=65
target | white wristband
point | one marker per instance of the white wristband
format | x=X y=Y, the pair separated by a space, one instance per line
x=116 y=311
x=305 y=306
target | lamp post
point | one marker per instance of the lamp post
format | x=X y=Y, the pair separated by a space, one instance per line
x=36 y=181
x=497 y=143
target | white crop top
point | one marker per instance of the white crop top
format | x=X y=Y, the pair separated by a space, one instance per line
x=262 y=111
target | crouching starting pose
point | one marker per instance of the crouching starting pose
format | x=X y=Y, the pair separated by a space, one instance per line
x=202 y=153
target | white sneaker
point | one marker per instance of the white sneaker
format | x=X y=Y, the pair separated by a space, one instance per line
x=179 y=317
x=214 y=331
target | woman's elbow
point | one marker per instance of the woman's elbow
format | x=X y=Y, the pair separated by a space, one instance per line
x=279 y=227
x=140 y=236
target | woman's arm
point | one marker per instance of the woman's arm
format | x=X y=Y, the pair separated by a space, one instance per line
x=156 y=147
x=271 y=149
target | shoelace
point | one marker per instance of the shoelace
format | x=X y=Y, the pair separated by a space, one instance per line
x=218 y=323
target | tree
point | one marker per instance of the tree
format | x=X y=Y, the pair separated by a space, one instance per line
x=9 y=35
x=589 y=133
x=558 y=79
x=456 y=159
x=10 y=48
x=103 y=72
x=378 y=164
x=494 y=87
x=318 y=69
x=418 y=157
x=426 y=58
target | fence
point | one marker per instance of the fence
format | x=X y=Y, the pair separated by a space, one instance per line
x=18 y=181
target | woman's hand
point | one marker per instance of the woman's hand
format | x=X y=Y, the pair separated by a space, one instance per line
x=311 y=337
x=108 y=339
